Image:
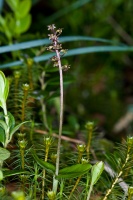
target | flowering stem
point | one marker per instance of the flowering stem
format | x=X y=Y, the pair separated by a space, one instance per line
x=55 y=184
x=57 y=48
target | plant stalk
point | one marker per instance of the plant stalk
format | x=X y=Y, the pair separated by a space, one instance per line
x=118 y=176
x=55 y=183
x=44 y=174
x=89 y=193
x=76 y=184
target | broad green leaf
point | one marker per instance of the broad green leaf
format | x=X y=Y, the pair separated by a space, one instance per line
x=2 y=135
x=23 y=9
x=2 y=132
x=2 y=84
x=13 y=4
x=8 y=173
x=1 y=175
x=3 y=125
x=11 y=25
x=23 y=24
x=43 y=164
x=2 y=21
x=71 y=175
x=75 y=168
x=6 y=90
x=4 y=154
x=96 y=172
x=74 y=171
x=11 y=121
x=16 y=128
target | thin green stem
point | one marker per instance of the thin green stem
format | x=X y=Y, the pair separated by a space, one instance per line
x=22 y=158
x=45 y=123
x=118 y=176
x=87 y=185
x=89 y=193
x=76 y=184
x=89 y=144
x=25 y=93
x=44 y=174
x=61 y=121
x=35 y=183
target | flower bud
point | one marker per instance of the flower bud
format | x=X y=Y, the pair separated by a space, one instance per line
x=84 y=161
x=17 y=74
x=18 y=195
x=22 y=144
x=30 y=62
x=25 y=87
x=89 y=126
x=51 y=27
x=51 y=195
x=130 y=142
x=81 y=148
x=47 y=141
x=53 y=157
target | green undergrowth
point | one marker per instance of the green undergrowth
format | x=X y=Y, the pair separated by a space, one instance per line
x=38 y=157
x=46 y=153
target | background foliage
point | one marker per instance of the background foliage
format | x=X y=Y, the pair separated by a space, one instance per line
x=101 y=88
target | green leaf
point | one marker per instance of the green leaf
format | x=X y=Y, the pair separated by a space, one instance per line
x=11 y=121
x=16 y=128
x=2 y=116
x=8 y=173
x=23 y=9
x=6 y=90
x=3 y=125
x=23 y=24
x=2 y=132
x=13 y=4
x=2 y=136
x=11 y=24
x=1 y=175
x=74 y=171
x=4 y=154
x=2 y=21
x=2 y=84
x=40 y=42
x=48 y=166
x=96 y=172
x=78 y=51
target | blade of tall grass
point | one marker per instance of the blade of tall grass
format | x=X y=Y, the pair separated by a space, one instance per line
x=41 y=42
x=77 y=51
